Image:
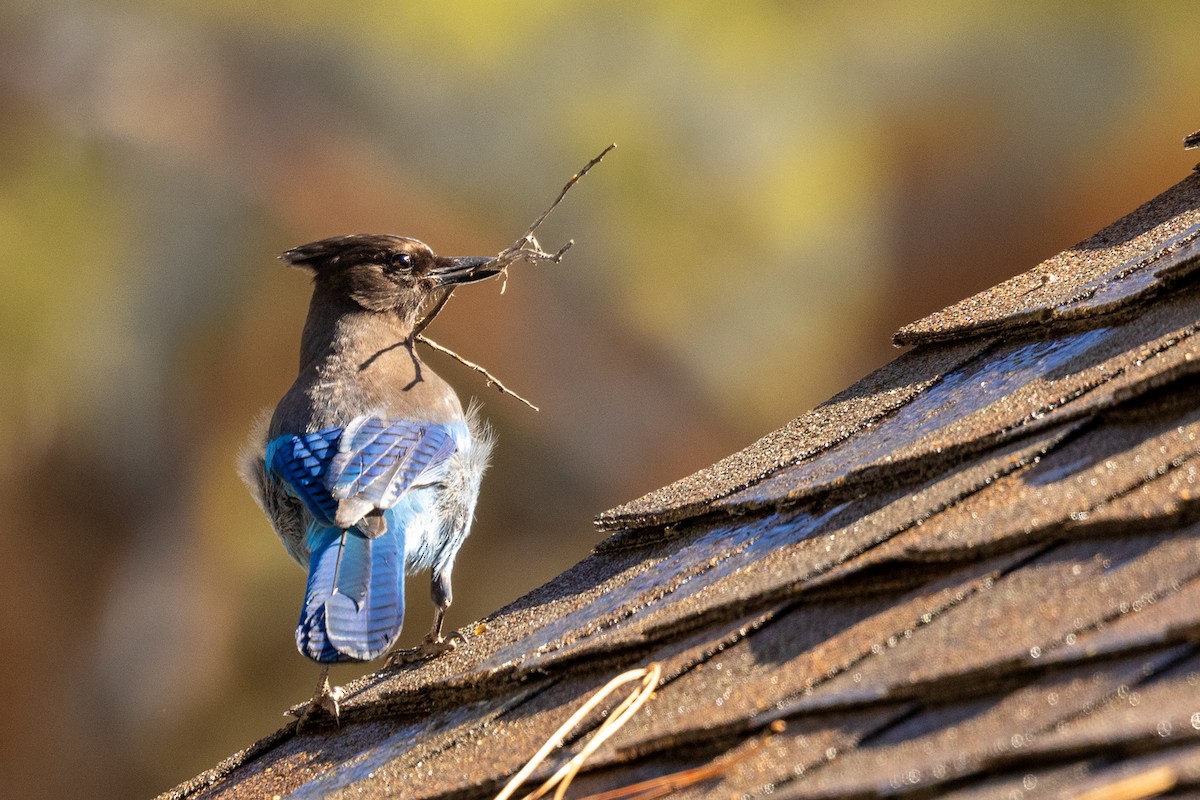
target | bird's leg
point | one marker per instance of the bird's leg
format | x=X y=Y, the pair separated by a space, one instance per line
x=434 y=644
x=324 y=701
x=442 y=595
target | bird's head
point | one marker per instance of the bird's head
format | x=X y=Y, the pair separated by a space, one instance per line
x=383 y=272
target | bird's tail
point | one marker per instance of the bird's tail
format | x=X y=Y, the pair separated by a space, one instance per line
x=354 y=603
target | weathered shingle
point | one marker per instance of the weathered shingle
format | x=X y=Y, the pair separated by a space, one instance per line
x=976 y=573
x=1119 y=270
x=835 y=421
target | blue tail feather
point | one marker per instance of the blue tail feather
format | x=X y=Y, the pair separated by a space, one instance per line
x=354 y=601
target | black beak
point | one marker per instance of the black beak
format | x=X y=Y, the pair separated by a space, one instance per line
x=467 y=269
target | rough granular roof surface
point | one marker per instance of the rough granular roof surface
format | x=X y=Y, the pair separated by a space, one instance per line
x=974 y=574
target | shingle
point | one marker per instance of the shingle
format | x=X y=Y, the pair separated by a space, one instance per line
x=1122 y=261
x=720 y=570
x=948 y=742
x=760 y=763
x=1150 y=621
x=1042 y=499
x=837 y=557
x=807 y=646
x=1034 y=781
x=1130 y=285
x=691 y=558
x=460 y=754
x=1142 y=777
x=1175 y=493
x=1021 y=388
x=870 y=399
x=796 y=652
x=1137 y=777
x=301 y=759
x=1091 y=583
x=1163 y=709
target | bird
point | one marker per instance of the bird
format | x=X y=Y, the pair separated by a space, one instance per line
x=369 y=467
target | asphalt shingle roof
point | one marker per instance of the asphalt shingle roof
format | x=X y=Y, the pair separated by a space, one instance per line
x=975 y=573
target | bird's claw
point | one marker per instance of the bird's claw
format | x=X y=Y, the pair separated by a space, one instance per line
x=444 y=644
x=321 y=709
x=429 y=648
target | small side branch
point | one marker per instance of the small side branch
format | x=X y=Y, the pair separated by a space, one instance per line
x=491 y=379
x=527 y=247
x=528 y=237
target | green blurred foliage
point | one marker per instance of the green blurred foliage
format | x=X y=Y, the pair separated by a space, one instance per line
x=793 y=182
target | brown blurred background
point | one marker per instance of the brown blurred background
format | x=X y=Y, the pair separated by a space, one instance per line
x=793 y=182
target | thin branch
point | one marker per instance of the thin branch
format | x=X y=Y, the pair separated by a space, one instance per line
x=491 y=379
x=528 y=237
x=433 y=311
x=527 y=248
x=619 y=716
x=649 y=677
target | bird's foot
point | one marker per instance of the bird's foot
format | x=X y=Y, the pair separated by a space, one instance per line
x=322 y=708
x=429 y=648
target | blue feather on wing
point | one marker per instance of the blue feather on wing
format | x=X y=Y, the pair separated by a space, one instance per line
x=302 y=462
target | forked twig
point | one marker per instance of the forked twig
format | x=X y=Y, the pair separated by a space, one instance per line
x=649 y=677
x=527 y=248
x=491 y=379
x=524 y=249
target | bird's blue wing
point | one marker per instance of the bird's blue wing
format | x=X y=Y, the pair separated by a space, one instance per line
x=354 y=599
x=302 y=462
x=371 y=461
x=377 y=460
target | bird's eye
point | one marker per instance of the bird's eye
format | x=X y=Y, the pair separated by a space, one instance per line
x=401 y=261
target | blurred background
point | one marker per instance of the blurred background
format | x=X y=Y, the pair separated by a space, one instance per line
x=793 y=182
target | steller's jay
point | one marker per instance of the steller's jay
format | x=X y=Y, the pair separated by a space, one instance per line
x=369 y=468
